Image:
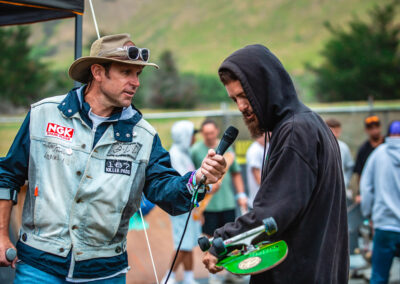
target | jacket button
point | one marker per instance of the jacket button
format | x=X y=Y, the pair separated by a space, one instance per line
x=61 y=250
x=118 y=249
x=24 y=237
x=78 y=173
x=83 y=146
x=74 y=227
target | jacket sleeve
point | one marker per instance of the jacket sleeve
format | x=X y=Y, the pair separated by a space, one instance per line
x=164 y=186
x=283 y=195
x=367 y=186
x=14 y=166
x=348 y=165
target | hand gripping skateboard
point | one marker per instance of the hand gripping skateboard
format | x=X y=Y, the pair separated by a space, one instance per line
x=239 y=256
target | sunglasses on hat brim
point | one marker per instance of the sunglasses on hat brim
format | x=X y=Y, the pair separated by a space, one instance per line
x=132 y=52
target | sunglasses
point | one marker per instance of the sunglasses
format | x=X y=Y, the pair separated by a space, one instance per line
x=133 y=52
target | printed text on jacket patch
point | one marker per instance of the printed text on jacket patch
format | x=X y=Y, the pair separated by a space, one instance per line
x=118 y=167
x=59 y=131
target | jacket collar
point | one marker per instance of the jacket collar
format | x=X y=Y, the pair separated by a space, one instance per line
x=123 y=121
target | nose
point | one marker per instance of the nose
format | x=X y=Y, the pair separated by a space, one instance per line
x=242 y=105
x=134 y=81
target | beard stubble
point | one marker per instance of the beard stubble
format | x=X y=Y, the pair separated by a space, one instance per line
x=254 y=127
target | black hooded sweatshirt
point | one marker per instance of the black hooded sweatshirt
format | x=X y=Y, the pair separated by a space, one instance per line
x=302 y=185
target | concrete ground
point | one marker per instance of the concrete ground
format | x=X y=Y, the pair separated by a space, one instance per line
x=160 y=237
x=366 y=274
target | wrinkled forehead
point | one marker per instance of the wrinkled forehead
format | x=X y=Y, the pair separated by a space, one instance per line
x=120 y=65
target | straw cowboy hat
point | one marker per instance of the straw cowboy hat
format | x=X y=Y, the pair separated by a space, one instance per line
x=112 y=48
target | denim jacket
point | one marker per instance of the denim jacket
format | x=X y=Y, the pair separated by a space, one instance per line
x=85 y=184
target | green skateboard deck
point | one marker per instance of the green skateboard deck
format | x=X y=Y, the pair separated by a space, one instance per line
x=264 y=257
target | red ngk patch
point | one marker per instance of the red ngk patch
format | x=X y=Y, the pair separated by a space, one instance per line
x=59 y=131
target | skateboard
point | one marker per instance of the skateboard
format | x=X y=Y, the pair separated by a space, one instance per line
x=240 y=256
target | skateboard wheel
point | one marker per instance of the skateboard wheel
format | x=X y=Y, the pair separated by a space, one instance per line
x=270 y=226
x=219 y=246
x=204 y=243
x=11 y=254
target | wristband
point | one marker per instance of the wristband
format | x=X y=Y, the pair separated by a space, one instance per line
x=241 y=195
x=193 y=175
x=9 y=194
x=194 y=178
x=194 y=189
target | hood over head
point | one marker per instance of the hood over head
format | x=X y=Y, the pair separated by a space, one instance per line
x=393 y=149
x=266 y=83
x=182 y=132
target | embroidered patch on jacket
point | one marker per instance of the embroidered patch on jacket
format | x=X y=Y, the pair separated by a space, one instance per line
x=59 y=131
x=118 y=167
x=125 y=150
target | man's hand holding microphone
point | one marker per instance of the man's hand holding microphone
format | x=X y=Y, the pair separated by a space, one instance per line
x=214 y=165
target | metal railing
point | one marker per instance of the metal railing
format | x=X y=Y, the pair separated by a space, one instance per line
x=224 y=111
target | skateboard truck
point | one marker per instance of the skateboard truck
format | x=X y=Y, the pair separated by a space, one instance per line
x=239 y=256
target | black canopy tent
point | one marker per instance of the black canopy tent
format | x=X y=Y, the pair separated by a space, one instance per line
x=33 y=11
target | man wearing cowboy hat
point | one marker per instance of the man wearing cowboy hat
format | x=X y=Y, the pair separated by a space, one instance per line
x=88 y=156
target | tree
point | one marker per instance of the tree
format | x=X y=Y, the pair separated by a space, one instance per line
x=170 y=90
x=22 y=77
x=363 y=60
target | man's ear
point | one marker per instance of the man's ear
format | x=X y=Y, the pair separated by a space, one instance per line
x=97 y=72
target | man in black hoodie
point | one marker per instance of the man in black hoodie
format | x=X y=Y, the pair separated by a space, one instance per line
x=302 y=184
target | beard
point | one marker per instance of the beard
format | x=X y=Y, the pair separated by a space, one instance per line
x=253 y=125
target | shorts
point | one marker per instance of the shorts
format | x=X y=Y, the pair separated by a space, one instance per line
x=193 y=231
x=215 y=220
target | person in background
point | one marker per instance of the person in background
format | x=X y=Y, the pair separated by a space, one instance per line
x=374 y=131
x=354 y=213
x=221 y=209
x=380 y=199
x=345 y=154
x=254 y=163
x=183 y=137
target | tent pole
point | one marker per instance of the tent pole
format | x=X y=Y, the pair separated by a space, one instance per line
x=78 y=40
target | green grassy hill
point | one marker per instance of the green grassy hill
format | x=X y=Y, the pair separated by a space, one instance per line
x=201 y=33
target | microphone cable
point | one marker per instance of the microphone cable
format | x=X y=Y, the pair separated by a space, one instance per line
x=195 y=193
x=227 y=139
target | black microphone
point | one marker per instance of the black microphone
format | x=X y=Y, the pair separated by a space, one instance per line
x=227 y=139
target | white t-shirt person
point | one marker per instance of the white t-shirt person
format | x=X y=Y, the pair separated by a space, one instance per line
x=254 y=160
